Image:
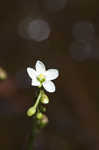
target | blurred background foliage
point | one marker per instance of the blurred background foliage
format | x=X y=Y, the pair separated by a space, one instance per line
x=64 y=34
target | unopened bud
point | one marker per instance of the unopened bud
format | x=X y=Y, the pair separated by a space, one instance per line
x=39 y=115
x=44 y=99
x=3 y=74
x=31 y=111
x=44 y=121
x=44 y=109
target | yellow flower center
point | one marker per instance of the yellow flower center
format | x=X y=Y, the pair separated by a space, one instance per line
x=41 y=78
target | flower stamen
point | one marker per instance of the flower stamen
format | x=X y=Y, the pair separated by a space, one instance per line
x=41 y=78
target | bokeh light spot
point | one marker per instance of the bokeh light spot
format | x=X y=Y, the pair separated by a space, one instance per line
x=37 y=30
x=81 y=50
x=83 y=31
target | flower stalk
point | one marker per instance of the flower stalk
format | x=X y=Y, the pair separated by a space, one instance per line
x=41 y=78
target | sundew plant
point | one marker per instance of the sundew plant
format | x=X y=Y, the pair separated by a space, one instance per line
x=43 y=79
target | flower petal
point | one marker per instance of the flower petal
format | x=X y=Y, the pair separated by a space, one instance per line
x=52 y=74
x=35 y=82
x=31 y=72
x=49 y=86
x=40 y=67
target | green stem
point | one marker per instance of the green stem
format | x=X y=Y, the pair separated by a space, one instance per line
x=35 y=126
x=32 y=136
x=38 y=99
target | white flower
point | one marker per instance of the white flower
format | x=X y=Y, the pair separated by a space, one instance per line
x=42 y=77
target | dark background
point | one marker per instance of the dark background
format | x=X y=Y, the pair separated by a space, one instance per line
x=73 y=109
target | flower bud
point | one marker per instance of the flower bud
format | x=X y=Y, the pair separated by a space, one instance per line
x=3 y=74
x=44 y=121
x=39 y=115
x=44 y=99
x=31 y=111
x=44 y=109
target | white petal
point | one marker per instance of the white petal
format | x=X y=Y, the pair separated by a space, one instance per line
x=32 y=73
x=40 y=67
x=49 y=86
x=52 y=74
x=35 y=82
